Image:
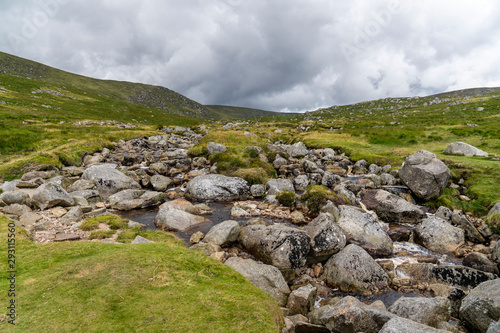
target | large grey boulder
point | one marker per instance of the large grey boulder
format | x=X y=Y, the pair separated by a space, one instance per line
x=223 y=233
x=425 y=175
x=327 y=238
x=108 y=180
x=362 y=229
x=171 y=219
x=353 y=269
x=297 y=150
x=350 y=315
x=438 y=235
x=51 y=195
x=218 y=188
x=278 y=245
x=391 y=208
x=132 y=199
x=427 y=311
x=462 y=148
x=17 y=197
x=266 y=277
x=403 y=325
x=160 y=183
x=481 y=307
x=274 y=186
x=215 y=148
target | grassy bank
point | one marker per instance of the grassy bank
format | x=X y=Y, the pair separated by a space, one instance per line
x=159 y=287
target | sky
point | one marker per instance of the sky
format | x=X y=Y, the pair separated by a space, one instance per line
x=276 y=55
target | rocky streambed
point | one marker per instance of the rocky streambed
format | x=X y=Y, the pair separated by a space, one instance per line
x=361 y=255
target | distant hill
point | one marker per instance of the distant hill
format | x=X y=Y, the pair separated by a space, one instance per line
x=155 y=97
x=472 y=92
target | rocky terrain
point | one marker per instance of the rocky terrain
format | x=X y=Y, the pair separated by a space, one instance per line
x=322 y=238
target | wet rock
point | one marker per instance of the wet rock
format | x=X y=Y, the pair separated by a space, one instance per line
x=391 y=208
x=283 y=247
x=196 y=237
x=362 y=229
x=327 y=238
x=274 y=186
x=465 y=149
x=353 y=269
x=302 y=327
x=399 y=233
x=266 y=277
x=480 y=262
x=171 y=219
x=481 y=307
x=218 y=188
x=427 y=311
x=438 y=235
x=425 y=175
x=402 y=325
x=108 y=180
x=215 y=148
x=301 y=300
x=223 y=234
x=51 y=195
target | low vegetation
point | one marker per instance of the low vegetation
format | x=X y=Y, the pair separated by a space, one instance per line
x=156 y=287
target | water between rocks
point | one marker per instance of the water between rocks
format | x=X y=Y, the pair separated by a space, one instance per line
x=403 y=251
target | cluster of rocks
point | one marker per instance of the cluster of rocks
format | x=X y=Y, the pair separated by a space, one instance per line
x=348 y=246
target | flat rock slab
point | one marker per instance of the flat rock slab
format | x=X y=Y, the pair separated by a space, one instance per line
x=63 y=237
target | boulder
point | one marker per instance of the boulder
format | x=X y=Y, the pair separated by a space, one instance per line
x=182 y=204
x=274 y=186
x=445 y=213
x=132 y=199
x=391 y=208
x=494 y=328
x=327 y=238
x=362 y=229
x=438 y=235
x=301 y=300
x=427 y=311
x=465 y=149
x=141 y=240
x=223 y=234
x=91 y=196
x=481 y=307
x=350 y=315
x=402 y=325
x=160 y=183
x=215 y=148
x=16 y=210
x=258 y=190
x=470 y=231
x=353 y=269
x=51 y=195
x=108 y=180
x=301 y=183
x=278 y=245
x=297 y=150
x=425 y=175
x=75 y=214
x=266 y=277
x=81 y=185
x=217 y=188
x=279 y=161
x=17 y=197
x=330 y=179
x=480 y=262
x=171 y=219
x=452 y=275
x=495 y=209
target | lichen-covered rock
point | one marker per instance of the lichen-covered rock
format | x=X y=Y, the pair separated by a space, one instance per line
x=217 y=188
x=327 y=238
x=215 y=148
x=465 y=149
x=362 y=229
x=274 y=186
x=266 y=277
x=391 y=208
x=425 y=175
x=301 y=300
x=438 y=235
x=51 y=195
x=481 y=307
x=427 y=311
x=108 y=180
x=353 y=269
x=278 y=245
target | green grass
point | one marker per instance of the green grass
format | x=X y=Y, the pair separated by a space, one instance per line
x=102 y=234
x=157 y=287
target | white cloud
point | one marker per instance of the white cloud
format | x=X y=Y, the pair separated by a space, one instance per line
x=277 y=55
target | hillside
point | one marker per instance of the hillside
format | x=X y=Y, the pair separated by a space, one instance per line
x=155 y=97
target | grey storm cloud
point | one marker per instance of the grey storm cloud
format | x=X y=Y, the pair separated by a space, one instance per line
x=276 y=55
